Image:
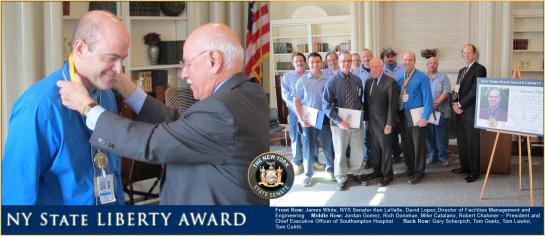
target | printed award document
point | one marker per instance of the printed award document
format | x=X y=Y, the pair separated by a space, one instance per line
x=416 y=113
x=314 y=116
x=352 y=116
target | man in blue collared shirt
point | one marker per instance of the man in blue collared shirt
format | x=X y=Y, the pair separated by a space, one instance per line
x=438 y=134
x=415 y=92
x=332 y=64
x=288 y=85
x=48 y=159
x=309 y=92
x=391 y=67
x=345 y=90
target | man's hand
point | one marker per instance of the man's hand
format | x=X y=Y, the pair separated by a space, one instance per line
x=74 y=95
x=344 y=124
x=366 y=124
x=305 y=123
x=124 y=85
x=422 y=123
x=435 y=105
x=387 y=129
x=458 y=110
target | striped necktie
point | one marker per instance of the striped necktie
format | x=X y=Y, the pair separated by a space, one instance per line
x=349 y=94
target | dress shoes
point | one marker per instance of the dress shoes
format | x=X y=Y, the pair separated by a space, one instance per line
x=371 y=176
x=361 y=180
x=385 y=181
x=459 y=171
x=471 y=178
x=415 y=180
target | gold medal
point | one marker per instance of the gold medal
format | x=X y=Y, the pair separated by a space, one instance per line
x=492 y=122
x=100 y=160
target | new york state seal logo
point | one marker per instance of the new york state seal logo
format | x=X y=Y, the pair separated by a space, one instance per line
x=270 y=175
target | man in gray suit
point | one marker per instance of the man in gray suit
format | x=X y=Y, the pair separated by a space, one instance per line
x=208 y=148
x=380 y=106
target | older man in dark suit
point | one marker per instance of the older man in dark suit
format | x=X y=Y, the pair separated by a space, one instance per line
x=380 y=105
x=464 y=94
x=206 y=149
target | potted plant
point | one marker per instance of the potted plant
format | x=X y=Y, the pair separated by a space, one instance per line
x=152 y=40
x=429 y=52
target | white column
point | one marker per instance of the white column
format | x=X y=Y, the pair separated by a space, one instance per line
x=22 y=52
x=53 y=37
x=486 y=37
x=355 y=14
x=506 y=46
x=371 y=26
x=235 y=18
x=217 y=12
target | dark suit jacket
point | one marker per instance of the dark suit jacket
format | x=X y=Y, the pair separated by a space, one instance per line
x=380 y=108
x=207 y=149
x=468 y=89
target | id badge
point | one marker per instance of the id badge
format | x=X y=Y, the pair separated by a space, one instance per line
x=405 y=97
x=104 y=188
x=456 y=88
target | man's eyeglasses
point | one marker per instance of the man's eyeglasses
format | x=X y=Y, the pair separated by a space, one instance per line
x=187 y=64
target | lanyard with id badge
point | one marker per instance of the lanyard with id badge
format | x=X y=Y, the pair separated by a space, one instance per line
x=103 y=180
x=404 y=93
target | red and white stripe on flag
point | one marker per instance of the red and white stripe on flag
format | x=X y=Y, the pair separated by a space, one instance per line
x=257 y=39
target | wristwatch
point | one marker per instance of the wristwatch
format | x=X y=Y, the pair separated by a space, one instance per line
x=88 y=108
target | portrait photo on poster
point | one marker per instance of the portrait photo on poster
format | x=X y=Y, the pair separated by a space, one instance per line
x=512 y=105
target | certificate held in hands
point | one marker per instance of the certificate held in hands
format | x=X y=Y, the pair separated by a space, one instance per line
x=352 y=116
x=416 y=113
x=314 y=116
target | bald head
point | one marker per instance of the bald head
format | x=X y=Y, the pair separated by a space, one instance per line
x=100 y=44
x=96 y=24
x=409 y=60
x=377 y=67
x=217 y=36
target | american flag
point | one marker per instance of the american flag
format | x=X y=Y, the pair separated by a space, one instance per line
x=257 y=39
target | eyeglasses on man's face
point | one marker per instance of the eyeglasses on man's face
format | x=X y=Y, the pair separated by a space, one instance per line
x=186 y=64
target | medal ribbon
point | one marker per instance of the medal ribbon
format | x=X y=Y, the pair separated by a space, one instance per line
x=407 y=79
x=71 y=69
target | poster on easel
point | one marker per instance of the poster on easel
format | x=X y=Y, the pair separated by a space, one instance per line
x=511 y=105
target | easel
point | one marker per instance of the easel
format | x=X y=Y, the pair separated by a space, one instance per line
x=516 y=75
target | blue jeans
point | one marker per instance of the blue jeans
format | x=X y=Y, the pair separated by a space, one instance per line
x=309 y=138
x=437 y=140
x=295 y=137
x=366 y=150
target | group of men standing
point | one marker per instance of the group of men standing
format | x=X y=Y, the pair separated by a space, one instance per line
x=387 y=100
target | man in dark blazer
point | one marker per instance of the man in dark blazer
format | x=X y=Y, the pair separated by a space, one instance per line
x=464 y=94
x=380 y=105
x=208 y=148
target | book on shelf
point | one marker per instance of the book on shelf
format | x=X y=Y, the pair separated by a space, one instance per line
x=170 y=52
x=149 y=80
x=144 y=9
x=283 y=48
x=106 y=6
x=520 y=44
x=65 y=8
